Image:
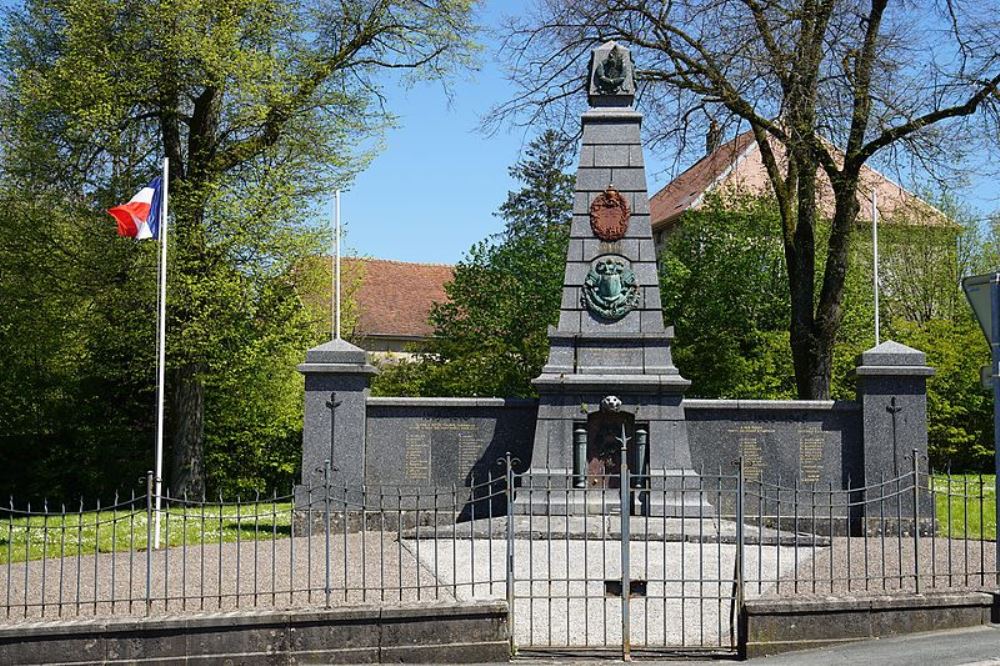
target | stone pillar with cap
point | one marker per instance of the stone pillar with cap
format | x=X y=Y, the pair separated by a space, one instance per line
x=892 y=391
x=610 y=339
x=337 y=378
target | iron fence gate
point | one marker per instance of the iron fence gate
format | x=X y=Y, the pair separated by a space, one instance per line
x=611 y=577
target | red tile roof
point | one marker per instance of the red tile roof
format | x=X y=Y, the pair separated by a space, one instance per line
x=394 y=298
x=737 y=164
x=687 y=189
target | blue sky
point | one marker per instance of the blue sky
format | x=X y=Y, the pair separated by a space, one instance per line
x=433 y=190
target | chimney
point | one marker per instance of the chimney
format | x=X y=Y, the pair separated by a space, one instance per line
x=713 y=139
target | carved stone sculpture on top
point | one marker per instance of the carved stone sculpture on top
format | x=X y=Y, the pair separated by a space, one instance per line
x=612 y=79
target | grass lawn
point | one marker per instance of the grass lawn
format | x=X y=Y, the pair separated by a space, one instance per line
x=66 y=535
x=967 y=505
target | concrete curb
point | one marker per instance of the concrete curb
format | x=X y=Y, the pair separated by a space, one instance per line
x=472 y=632
x=772 y=626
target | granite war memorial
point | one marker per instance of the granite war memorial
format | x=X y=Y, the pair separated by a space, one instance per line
x=610 y=377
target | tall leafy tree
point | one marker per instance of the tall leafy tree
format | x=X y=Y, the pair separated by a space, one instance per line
x=490 y=337
x=723 y=286
x=825 y=86
x=257 y=103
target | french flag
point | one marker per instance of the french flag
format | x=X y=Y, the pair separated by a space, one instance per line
x=140 y=217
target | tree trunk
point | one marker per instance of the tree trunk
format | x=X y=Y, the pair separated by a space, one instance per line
x=812 y=352
x=813 y=360
x=187 y=405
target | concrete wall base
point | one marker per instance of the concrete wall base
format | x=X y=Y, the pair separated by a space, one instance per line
x=424 y=633
x=774 y=626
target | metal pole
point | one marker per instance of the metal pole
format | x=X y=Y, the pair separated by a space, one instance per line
x=336 y=268
x=149 y=551
x=916 y=522
x=623 y=482
x=740 y=539
x=162 y=348
x=875 y=261
x=509 y=490
x=995 y=372
x=326 y=506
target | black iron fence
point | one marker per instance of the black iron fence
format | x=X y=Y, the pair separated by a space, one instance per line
x=620 y=561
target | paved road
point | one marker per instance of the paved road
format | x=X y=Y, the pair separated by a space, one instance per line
x=977 y=646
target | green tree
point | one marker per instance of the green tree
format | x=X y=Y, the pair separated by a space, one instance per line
x=257 y=103
x=490 y=337
x=724 y=289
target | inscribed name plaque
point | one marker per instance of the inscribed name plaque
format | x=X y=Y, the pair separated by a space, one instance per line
x=417 y=457
x=811 y=446
x=750 y=437
x=410 y=444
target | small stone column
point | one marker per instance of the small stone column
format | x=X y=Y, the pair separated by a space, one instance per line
x=337 y=379
x=892 y=391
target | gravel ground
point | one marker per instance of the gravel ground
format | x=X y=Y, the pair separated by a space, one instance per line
x=283 y=573
x=889 y=566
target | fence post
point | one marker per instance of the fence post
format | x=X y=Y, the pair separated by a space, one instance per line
x=625 y=506
x=509 y=491
x=740 y=539
x=149 y=541
x=916 y=521
x=326 y=525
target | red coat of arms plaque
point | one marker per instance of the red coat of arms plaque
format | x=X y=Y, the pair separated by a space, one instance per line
x=609 y=215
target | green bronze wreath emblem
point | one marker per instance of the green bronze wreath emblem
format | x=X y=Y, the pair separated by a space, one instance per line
x=610 y=290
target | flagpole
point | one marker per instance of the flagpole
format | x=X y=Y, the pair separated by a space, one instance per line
x=336 y=269
x=161 y=352
x=875 y=261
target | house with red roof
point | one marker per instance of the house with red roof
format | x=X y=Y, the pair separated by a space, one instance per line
x=393 y=301
x=736 y=166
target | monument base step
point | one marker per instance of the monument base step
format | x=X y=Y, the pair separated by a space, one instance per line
x=609 y=528
x=671 y=495
x=590 y=502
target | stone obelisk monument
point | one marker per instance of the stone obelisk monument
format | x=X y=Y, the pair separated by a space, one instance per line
x=609 y=364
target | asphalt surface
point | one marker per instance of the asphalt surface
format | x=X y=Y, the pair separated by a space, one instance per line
x=976 y=646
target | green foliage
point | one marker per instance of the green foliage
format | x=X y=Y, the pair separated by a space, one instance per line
x=725 y=290
x=724 y=287
x=259 y=104
x=491 y=335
